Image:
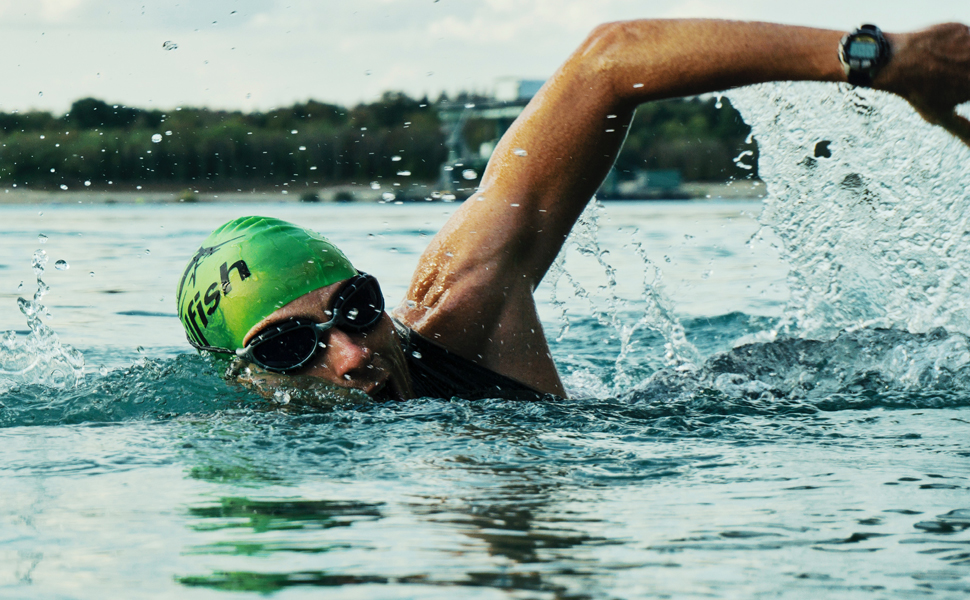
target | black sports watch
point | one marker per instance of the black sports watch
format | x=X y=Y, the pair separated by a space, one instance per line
x=863 y=53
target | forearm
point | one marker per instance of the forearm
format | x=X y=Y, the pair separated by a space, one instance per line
x=651 y=60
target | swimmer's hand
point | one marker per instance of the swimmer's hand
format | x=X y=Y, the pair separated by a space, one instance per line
x=931 y=70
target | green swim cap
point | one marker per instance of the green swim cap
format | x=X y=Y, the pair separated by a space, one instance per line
x=247 y=269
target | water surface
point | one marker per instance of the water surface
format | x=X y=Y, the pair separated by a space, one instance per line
x=760 y=408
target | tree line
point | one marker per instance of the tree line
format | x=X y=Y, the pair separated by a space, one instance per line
x=100 y=144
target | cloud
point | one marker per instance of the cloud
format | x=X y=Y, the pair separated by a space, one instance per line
x=287 y=50
x=181 y=15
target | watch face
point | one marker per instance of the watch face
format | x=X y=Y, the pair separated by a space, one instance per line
x=863 y=49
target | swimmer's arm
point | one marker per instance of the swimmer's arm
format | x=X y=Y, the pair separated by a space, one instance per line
x=473 y=286
x=472 y=290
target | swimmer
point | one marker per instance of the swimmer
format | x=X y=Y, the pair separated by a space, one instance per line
x=286 y=300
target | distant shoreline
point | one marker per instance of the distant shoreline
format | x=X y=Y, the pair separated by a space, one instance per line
x=736 y=190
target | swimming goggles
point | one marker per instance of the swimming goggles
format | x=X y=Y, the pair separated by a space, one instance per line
x=288 y=345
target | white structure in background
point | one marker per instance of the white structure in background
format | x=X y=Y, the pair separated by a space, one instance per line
x=508 y=100
x=511 y=89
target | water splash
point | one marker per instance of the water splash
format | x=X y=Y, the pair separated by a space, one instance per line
x=38 y=358
x=149 y=389
x=657 y=313
x=871 y=204
x=862 y=369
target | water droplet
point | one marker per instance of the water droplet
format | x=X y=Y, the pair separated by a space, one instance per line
x=42 y=239
x=168 y=132
x=416 y=354
x=717 y=103
x=520 y=152
x=366 y=73
x=610 y=116
x=103 y=371
x=470 y=105
x=156 y=138
x=87 y=183
x=637 y=85
x=374 y=185
x=40 y=214
x=91 y=274
x=294 y=132
x=395 y=158
x=62 y=265
x=388 y=196
x=469 y=174
x=43 y=136
x=404 y=173
x=449 y=254
x=169 y=45
x=281 y=397
x=64 y=187
x=53 y=169
x=40 y=93
x=302 y=148
x=147 y=251
x=20 y=287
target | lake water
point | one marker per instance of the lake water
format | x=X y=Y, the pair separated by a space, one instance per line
x=768 y=400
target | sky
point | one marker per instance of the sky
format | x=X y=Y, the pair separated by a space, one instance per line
x=260 y=54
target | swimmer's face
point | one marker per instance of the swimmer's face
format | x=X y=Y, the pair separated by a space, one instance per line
x=371 y=362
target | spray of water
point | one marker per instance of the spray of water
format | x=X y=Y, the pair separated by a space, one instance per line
x=39 y=357
x=656 y=310
x=871 y=204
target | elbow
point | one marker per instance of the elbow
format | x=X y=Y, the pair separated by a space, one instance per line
x=604 y=44
x=606 y=52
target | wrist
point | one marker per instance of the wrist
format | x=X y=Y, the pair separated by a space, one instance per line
x=863 y=54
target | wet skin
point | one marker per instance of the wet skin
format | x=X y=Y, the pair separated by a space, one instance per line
x=371 y=362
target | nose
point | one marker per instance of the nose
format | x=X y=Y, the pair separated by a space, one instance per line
x=345 y=355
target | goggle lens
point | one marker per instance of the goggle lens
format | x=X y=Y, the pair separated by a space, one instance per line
x=287 y=350
x=357 y=309
x=360 y=308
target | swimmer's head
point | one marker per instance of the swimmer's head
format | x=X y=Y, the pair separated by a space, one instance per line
x=247 y=269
